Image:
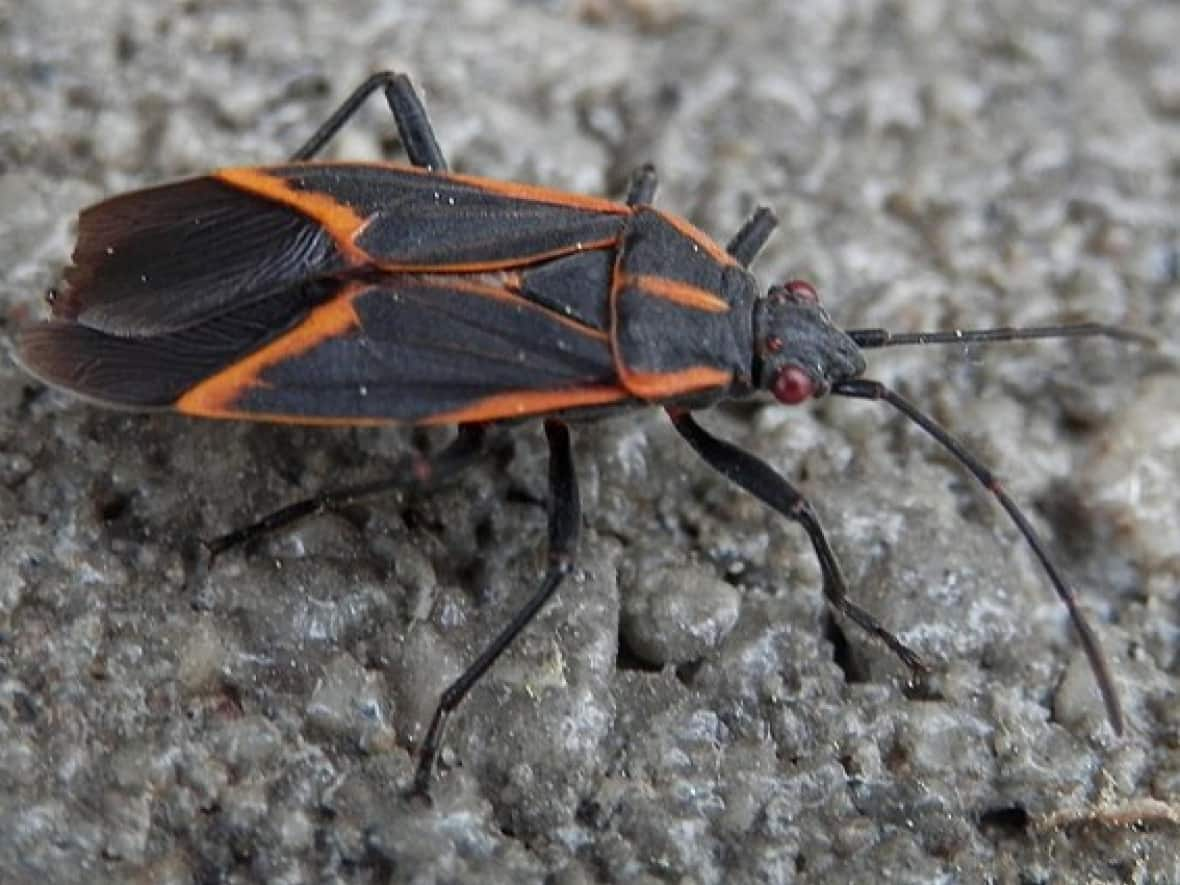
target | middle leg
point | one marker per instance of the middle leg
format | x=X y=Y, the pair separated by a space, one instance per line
x=565 y=516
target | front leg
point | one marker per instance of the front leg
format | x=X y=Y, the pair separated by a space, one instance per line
x=764 y=483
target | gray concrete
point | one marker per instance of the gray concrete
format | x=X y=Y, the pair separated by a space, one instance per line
x=934 y=164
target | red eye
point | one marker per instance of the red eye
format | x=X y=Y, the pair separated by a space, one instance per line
x=801 y=290
x=792 y=386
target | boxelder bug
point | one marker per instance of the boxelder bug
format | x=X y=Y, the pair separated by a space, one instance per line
x=362 y=293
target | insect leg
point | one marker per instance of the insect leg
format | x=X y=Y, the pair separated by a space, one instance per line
x=865 y=388
x=413 y=125
x=760 y=480
x=642 y=189
x=463 y=451
x=752 y=236
x=565 y=514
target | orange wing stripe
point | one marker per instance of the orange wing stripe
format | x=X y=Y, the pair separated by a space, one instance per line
x=681 y=293
x=665 y=385
x=699 y=237
x=533 y=192
x=539 y=194
x=215 y=396
x=501 y=407
x=490 y=266
x=341 y=222
x=505 y=406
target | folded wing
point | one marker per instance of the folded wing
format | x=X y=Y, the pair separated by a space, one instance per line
x=396 y=348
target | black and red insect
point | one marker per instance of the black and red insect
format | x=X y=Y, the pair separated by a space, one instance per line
x=362 y=293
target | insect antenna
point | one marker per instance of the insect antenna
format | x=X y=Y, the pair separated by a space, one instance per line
x=863 y=388
x=869 y=338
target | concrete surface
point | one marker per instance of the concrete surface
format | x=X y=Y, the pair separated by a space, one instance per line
x=934 y=164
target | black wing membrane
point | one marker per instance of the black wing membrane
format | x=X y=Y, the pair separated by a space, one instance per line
x=415 y=347
x=164 y=259
x=153 y=371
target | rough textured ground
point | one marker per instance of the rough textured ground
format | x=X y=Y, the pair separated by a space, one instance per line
x=934 y=164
